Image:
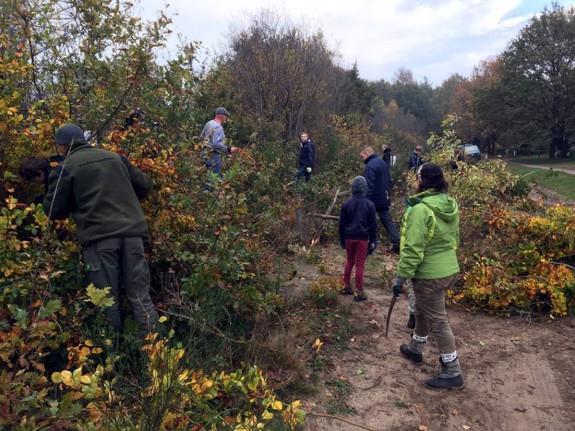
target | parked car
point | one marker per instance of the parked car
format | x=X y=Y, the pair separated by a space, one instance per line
x=470 y=152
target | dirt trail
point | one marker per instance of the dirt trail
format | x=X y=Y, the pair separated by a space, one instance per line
x=519 y=375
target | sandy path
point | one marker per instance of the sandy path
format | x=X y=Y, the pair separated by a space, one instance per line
x=520 y=375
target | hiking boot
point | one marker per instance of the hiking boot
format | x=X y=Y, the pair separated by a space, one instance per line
x=346 y=291
x=411 y=321
x=360 y=296
x=449 y=377
x=413 y=350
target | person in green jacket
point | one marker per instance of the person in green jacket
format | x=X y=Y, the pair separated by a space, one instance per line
x=429 y=241
x=101 y=190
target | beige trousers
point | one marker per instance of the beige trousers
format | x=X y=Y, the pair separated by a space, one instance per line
x=430 y=311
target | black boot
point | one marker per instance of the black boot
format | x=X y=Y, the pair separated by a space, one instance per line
x=413 y=350
x=411 y=321
x=449 y=377
x=346 y=291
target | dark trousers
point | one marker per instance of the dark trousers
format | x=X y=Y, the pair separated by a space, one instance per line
x=214 y=164
x=389 y=225
x=115 y=262
x=303 y=173
x=356 y=250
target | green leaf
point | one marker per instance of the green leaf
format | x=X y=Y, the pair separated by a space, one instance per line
x=51 y=307
x=99 y=297
x=21 y=316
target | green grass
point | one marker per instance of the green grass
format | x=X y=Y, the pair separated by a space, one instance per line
x=559 y=182
x=537 y=160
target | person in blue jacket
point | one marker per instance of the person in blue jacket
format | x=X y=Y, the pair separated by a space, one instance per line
x=306 y=157
x=379 y=185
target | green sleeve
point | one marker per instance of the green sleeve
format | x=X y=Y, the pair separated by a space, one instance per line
x=416 y=232
x=141 y=182
x=59 y=201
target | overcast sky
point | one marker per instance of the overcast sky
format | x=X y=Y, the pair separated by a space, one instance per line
x=433 y=38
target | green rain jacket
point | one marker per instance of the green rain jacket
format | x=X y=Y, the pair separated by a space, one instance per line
x=101 y=190
x=429 y=237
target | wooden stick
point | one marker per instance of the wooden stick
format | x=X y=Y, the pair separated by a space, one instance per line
x=319 y=415
x=317 y=237
x=326 y=216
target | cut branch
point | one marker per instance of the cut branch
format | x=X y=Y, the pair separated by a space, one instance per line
x=326 y=216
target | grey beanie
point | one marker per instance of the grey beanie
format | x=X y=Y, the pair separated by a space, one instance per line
x=359 y=186
x=68 y=134
x=222 y=111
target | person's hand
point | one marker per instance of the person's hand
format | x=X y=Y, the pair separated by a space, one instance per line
x=234 y=150
x=308 y=170
x=398 y=283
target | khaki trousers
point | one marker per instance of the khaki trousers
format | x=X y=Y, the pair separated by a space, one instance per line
x=430 y=311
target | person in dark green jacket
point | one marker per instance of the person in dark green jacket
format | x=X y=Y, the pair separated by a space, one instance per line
x=101 y=191
x=429 y=241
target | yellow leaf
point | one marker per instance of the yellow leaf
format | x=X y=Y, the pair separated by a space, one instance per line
x=163 y=319
x=86 y=379
x=89 y=343
x=267 y=415
x=277 y=405
x=207 y=385
x=67 y=378
x=57 y=377
x=317 y=344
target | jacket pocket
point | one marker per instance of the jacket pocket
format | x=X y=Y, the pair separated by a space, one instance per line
x=91 y=259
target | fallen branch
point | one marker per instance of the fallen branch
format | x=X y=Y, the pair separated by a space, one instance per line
x=317 y=237
x=363 y=427
x=326 y=216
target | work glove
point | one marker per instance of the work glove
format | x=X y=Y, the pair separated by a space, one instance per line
x=308 y=170
x=371 y=247
x=398 y=283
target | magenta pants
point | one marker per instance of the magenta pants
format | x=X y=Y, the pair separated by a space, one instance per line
x=356 y=250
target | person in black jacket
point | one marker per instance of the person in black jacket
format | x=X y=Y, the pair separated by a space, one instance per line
x=306 y=157
x=357 y=235
x=387 y=158
x=416 y=159
x=376 y=174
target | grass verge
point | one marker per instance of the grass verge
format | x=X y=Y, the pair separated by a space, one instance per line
x=559 y=182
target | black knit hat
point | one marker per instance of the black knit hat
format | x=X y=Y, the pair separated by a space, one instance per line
x=68 y=134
